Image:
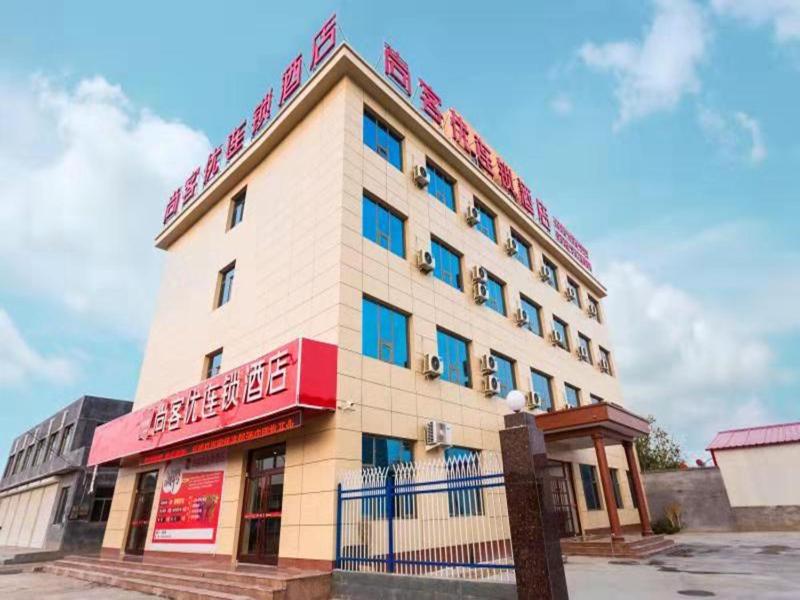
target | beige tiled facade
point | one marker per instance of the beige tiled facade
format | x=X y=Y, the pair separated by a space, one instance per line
x=303 y=268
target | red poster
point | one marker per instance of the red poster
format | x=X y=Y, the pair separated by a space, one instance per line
x=189 y=503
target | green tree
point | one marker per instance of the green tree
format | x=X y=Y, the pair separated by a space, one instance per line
x=658 y=450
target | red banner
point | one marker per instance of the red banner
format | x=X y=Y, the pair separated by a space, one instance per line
x=273 y=384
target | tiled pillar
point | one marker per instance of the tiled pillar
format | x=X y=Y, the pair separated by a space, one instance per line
x=638 y=488
x=538 y=562
x=608 y=487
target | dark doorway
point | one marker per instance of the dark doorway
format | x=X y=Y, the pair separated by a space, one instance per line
x=263 y=503
x=140 y=516
x=564 y=505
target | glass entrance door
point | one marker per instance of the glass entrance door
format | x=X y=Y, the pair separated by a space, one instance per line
x=140 y=516
x=563 y=499
x=263 y=503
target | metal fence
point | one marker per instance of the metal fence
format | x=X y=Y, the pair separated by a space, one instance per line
x=437 y=518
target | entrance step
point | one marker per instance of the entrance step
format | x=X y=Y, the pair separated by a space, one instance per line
x=631 y=548
x=192 y=581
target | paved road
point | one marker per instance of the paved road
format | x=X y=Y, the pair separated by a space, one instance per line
x=763 y=566
x=28 y=586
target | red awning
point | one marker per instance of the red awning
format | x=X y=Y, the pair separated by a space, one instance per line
x=300 y=375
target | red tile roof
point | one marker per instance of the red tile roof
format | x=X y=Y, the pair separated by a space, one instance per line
x=756 y=436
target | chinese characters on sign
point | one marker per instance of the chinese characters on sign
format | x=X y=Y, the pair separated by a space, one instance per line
x=456 y=128
x=323 y=44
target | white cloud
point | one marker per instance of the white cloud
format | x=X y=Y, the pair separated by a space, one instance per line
x=654 y=74
x=561 y=105
x=736 y=135
x=84 y=176
x=782 y=15
x=686 y=345
x=19 y=362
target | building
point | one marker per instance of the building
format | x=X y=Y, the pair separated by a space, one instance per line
x=47 y=501
x=754 y=463
x=301 y=315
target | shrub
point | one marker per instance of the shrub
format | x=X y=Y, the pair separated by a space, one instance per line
x=664 y=526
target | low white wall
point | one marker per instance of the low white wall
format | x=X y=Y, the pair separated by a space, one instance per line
x=761 y=476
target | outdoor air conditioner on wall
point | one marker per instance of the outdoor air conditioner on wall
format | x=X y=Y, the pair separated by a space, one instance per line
x=521 y=317
x=491 y=385
x=534 y=401
x=438 y=433
x=556 y=339
x=512 y=246
x=425 y=261
x=570 y=294
x=480 y=293
x=420 y=175
x=544 y=273
x=583 y=354
x=604 y=366
x=472 y=215
x=488 y=364
x=432 y=366
x=592 y=310
x=479 y=274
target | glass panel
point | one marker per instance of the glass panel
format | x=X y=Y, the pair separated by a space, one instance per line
x=448 y=265
x=524 y=253
x=552 y=274
x=465 y=500
x=485 y=223
x=384 y=333
x=541 y=385
x=455 y=360
x=572 y=395
x=561 y=328
x=370 y=132
x=275 y=499
x=505 y=375
x=534 y=314
x=496 y=301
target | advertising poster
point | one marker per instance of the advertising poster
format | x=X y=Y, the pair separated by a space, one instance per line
x=188 y=505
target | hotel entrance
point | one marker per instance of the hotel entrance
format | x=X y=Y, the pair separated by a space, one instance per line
x=140 y=515
x=263 y=503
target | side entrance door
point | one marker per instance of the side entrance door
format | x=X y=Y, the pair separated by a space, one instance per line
x=140 y=516
x=564 y=499
x=263 y=503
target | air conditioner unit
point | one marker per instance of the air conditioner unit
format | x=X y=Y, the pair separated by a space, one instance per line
x=438 y=433
x=544 y=273
x=556 y=338
x=570 y=294
x=521 y=317
x=592 y=310
x=420 y=176
x=425 y=261
x=488 y=364
x=480 y=293
x=604 y=366
x=491 y=385
x=534 y=401
x=473 y=215
x=512 y=246
x=583 y=354
x=432 y=366
x=479 y=274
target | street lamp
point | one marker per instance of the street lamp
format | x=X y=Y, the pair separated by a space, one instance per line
x=515 y=400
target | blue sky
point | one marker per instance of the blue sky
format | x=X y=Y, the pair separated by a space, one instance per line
x=665 y=134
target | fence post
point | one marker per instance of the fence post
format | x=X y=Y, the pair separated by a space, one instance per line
x=339 y=526
x=390 y=520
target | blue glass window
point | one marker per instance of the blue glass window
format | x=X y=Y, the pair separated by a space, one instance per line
x=552 y=273
x=385 y=452
x=464 y=499
x=384 y=141
x=237 y=209
x=576 y=292
x=441 y=187
x=505 y=374
x=496 y=301
x=590 y=491
x=631 y=489
x=561 y=327
x=523 y=255
x=595 y=399
x=542 y=385
x=534 y=315
x=605 y=357
x=384 y=333
x=213 y=363
x=572 y=395
x=586 y=344
x=485 y=223
x=615 y=486
x=455 y=358
x=382 y=227
x=448 y=264
x=225 y=288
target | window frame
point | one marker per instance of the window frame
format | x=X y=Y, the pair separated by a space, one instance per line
x=552 y=281
x=221 y=298
x=104 y=504
x=437 y=173
x=489 y=216
x=67 y=433
x=380 y=205
x=61 y=506
x=381 y=124
x=512 y=370
x=439 y=263
x=466 y=362
x=463 y=502
x=595 y=399
x=605 y=354
x=523 y=248
x=594 y=301
x=597 y=504
x=501 y=309
x=577 y=288
x=615 y=487
x=577 y=391
x=588 y=340
x=392 y=346
x=629 y=477
x=237 y=208
x=208 y=363
x=565 y=326
x=538 y=312
x=549 y=380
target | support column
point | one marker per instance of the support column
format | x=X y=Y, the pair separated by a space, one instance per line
x=538 y=562
x=608 y=486
x=638 y=488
